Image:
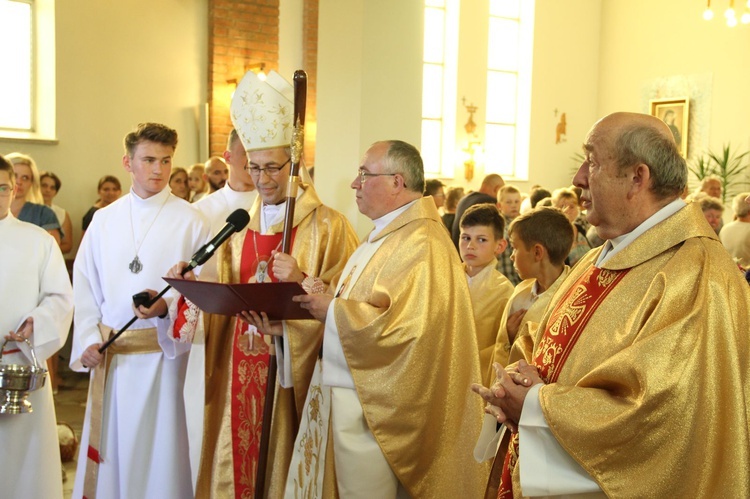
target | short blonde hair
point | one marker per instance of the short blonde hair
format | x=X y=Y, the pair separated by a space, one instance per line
x=507 y=189
x=564 y=193
x=35 y=193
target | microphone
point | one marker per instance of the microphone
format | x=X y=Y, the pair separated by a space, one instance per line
x=236 y=221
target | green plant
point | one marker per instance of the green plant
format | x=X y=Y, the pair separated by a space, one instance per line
x=702 y=167
x=728 y=166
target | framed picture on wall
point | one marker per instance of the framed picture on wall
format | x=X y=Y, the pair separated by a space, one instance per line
x=674 y=112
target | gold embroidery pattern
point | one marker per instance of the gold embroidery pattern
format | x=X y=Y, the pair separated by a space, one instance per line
x=252 y=377
x=311 y=446
x=606 y=278
x=570 y=312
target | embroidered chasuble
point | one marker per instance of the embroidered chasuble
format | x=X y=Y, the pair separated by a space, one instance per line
x=650 y=393
x=233 y=409
x=408 y=336
x=565 y=325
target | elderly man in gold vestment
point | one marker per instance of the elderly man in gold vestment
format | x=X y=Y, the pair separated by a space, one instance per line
x=234 y=355
x=399 y=352
x=643 y=376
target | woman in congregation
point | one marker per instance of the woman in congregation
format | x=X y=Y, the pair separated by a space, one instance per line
x=50 y=185
x=198 y=186
x=178 y=183
x=28 y=205
x=109 y=190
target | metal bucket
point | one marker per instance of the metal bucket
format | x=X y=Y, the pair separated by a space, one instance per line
x=17 y=380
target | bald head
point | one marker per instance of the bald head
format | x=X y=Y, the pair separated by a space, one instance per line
x=491 y=184
x=216 y=173
x=634 y=139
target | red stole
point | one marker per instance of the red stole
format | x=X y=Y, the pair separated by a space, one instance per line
x=250 y=358
x=565 y=325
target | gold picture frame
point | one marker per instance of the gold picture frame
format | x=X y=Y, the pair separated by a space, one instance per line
x=675 y=113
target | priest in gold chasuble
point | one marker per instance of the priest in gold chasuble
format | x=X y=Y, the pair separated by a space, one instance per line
x=399 y=353
x=642 y=353
x=234 y=355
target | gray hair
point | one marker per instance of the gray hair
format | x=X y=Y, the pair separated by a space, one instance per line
x=739 y=206
x=405 y=159
x=648 y=145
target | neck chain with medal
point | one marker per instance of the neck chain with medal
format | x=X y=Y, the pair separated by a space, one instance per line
x=261 y=272
x=136 y=266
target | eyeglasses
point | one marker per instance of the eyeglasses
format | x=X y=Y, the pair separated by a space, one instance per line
x=363 y=175
x=5 y=190
x=271 y=171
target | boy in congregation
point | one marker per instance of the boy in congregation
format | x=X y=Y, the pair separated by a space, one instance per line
x=480 y=242
x=540 y=242
x=509 y=204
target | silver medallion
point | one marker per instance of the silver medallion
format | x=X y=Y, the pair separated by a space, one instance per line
x=261 y=272
x=136 y=265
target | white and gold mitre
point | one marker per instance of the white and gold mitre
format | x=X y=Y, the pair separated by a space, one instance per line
x=262 y=111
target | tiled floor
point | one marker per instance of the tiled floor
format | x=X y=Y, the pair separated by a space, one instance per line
x=70 y=404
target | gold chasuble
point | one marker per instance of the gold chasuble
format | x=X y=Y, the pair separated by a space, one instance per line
x=237 y=363
x=489 y=291
x=407 y=332
x=653 y=397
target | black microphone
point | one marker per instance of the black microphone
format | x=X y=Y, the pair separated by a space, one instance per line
x=236 y=221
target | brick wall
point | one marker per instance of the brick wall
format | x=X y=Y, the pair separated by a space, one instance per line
x=241 y=33
x=245 y=32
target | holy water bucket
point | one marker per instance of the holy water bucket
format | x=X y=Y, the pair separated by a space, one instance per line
x=17 y=381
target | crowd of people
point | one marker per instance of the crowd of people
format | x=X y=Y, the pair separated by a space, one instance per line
x=587 y=339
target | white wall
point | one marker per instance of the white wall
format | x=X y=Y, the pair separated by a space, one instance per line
x=369 y=89
x=565 y=78
x=119 y=64
x=643 y=41
x=290 y=37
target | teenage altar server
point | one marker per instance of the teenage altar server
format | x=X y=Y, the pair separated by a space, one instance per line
x=37 y=304
x=134 y=441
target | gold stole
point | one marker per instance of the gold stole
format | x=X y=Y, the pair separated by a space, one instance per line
x=131 y=342
x=566 y=323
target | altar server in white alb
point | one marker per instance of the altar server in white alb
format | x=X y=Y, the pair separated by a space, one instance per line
x=37 y=304
x=134 y=441
x=238 y=192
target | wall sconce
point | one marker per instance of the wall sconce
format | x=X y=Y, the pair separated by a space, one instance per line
x=473 y=144
x=259 y=69
x=471 y=148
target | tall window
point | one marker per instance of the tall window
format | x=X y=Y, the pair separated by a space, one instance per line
x=16 y=49
x=439 y=86
x=508 y=103
x=27 y=53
